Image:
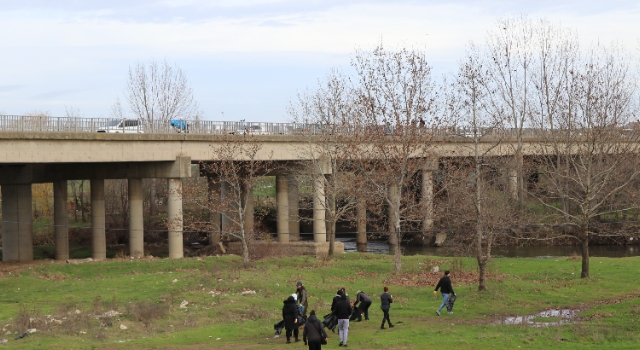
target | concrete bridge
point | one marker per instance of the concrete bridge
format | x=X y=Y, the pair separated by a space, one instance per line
x=32 y=151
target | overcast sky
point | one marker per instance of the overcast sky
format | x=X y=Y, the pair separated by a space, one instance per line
x=247 y=58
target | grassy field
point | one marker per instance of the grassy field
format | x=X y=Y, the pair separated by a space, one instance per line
x=89 y=305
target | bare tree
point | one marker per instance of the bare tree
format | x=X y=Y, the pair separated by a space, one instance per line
x=587 y=158
x=329 y=110
x=394 y=95
x=236 y=167
x=474 y=199
x=509 y=67
x=158 y=91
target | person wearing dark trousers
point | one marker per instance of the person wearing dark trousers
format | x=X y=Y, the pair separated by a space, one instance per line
x=446 y=289
x=386 y=300
x=301 y=292
x=364 y=302
x=290 y=317
x=343 y=312
x=313 y=332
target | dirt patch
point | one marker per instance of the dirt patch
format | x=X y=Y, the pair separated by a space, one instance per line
x=52 y=277
x=426 y=278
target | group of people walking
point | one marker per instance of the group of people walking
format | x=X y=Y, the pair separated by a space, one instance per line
x=295 y=309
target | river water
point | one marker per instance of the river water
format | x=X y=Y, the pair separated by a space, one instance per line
x=611 y=251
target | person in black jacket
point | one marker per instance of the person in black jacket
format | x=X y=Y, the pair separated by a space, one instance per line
x=365 y=302
x=446 y=289
x=343 y=312
x=386 y=300
x=290 y=316
x=314 y=332
x=336 y=299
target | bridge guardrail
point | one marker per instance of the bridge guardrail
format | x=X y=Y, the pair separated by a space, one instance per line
x=17 y=123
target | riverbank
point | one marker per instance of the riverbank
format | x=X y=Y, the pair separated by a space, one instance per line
x=138 y=302
x=529 y=251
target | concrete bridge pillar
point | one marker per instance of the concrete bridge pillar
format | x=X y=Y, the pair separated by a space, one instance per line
x=294 y=208
x=214 y=214
x=361 y=225
x=319 y=202
x=136 y=219
x=427 y=195
x=282 y=199
x=514 y=178
x=98 y=239
x=174 y=216
x=512 y=183
x=17 y=238
x=61 y=219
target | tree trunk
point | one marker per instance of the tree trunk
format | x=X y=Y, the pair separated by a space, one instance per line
x=332 y=223
x=584 y=250
x=245 y=251
x=332 y=239
x=394 y=225
x=482 y=273
x=397 y=254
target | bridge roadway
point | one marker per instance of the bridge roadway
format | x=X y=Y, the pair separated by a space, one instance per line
x=40 y=157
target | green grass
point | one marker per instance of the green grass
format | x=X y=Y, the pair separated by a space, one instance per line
x=609 y=302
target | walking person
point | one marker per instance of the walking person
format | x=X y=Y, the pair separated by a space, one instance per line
x=314 y=333
x=343 y=312
x=386 y=300
x=290 y=317
x=364 y=302
x=336 y=299
x=301 y=293
x=446 y=289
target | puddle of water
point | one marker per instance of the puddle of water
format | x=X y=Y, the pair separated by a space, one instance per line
x=561 y=316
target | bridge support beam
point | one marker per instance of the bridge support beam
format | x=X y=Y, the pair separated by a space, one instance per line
x=294 y=208
x=282 y=199
x=136 y=219
x=215 y=218
x=174 y=215
x=98 y=238
x=361 y=225
x=17 y=238
x=61 y=219
x=319 y=202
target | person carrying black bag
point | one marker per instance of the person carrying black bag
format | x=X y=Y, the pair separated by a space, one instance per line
x=314 y=333
x=365 y=302
x=290 y=316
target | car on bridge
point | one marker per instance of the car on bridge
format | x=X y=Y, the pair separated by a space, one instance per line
x=124 y=126
x=249 y=130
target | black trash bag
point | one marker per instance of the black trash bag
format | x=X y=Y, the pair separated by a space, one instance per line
x=330 y=321
x=302 y=319
x=450 y=302
x=278 y=327
x=355 y=313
